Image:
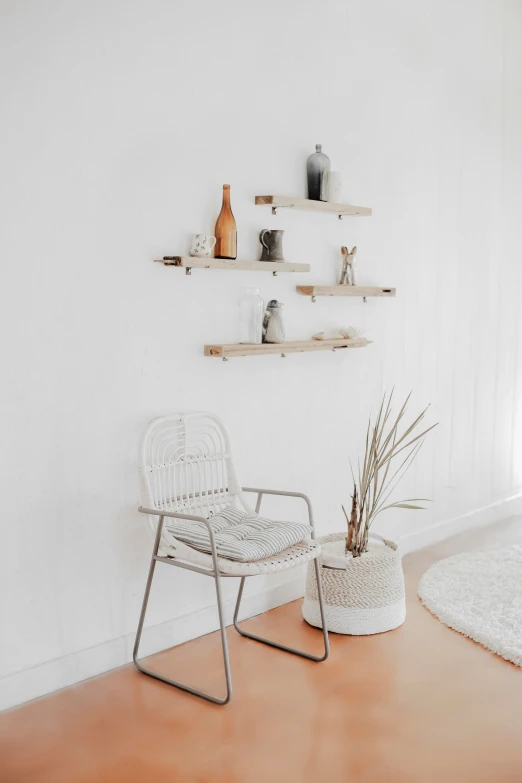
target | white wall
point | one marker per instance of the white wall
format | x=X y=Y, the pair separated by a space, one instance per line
x=121 y=121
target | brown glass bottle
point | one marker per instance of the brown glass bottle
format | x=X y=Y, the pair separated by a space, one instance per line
x=226 y=229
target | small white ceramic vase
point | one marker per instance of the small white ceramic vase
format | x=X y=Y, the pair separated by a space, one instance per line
x=335 y=187
x=202 y=245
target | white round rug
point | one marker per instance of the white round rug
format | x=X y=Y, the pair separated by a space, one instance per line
x=479 y=594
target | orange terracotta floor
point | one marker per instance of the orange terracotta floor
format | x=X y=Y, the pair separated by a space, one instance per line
x=420 y=704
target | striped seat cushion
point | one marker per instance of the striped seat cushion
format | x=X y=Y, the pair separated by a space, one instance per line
x=240 y=536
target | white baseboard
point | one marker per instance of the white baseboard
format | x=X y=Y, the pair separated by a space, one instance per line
x=481 y=517
x=51 y=676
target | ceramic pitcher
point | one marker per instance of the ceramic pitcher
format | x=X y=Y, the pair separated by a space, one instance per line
x=202 y=245
x=273 y=327
x=272 y=241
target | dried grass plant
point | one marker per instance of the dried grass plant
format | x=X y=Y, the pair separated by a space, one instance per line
x=378 y=477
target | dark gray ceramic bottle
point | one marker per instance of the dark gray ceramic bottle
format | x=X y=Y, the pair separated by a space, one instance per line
x=317 y=171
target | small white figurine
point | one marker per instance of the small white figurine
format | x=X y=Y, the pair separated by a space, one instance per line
x=350 y=332
x=347 y=332
x=348 y=270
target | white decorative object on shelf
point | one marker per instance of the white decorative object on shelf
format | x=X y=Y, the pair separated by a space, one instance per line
x=202 y=245
x=362 y=595
x=273 y=326
x=348 y=268
x=350 y=332
x=335 y=187
x=251 y=309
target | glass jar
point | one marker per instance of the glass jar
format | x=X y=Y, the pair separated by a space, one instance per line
x=251 y=308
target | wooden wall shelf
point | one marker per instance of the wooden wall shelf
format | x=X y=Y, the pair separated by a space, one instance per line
x=300 y=346
x=343 y=290
x=327 y=207
x=189 y=262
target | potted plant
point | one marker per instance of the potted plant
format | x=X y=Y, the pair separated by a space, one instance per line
x=362 y=578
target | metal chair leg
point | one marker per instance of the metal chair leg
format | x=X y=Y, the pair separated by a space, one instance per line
x=283 y=646
x=224 y=644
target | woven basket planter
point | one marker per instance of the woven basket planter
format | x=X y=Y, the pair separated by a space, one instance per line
x=362 y=595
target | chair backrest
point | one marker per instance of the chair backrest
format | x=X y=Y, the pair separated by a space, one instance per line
x=186 y=465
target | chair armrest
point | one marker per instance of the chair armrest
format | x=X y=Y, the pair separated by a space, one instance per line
x=277 y=492
x=158 y=513
x=174 y=515
x=261 y=492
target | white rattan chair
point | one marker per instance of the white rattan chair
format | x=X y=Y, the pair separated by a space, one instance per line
x=187 y=473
